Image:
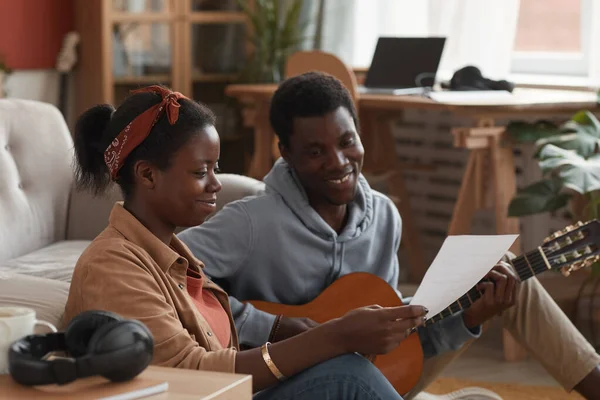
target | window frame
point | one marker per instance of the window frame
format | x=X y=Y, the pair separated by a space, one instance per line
x=559 y=63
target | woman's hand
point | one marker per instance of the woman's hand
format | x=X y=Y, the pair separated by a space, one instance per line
x=377 y=330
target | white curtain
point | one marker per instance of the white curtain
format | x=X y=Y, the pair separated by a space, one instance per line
x=478 y=32
x=351 y=27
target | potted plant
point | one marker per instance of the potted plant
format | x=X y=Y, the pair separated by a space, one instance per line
x=569 y=158
x=276 y=32
x=4 y=72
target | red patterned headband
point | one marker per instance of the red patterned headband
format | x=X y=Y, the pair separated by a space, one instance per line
x=139 y=129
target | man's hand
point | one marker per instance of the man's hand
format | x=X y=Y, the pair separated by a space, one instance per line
x=289 y=327
x=498 y=295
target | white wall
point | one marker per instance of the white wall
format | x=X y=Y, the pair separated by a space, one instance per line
x=41 y=85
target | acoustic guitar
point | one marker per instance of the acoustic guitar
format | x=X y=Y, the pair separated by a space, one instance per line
x=567 y=250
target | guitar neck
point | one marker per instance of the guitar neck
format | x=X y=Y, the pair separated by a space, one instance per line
x=526 y=266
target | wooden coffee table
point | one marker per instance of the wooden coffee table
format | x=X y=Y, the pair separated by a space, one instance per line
x=183 y=384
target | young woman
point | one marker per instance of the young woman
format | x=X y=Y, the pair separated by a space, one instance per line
x=162 y=149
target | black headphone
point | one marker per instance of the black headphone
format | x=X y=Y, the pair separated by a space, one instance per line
x=470 y=78
x=97 y=343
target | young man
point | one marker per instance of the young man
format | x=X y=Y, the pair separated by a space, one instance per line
x=319 y=220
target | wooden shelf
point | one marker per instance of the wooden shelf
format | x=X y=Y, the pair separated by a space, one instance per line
x=217 y=17
x=200 y=77
x=142 y=79
x=146 y=17
x=180 y=26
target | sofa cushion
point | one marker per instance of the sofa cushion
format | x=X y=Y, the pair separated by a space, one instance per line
x=88 y=213
x=56 y=261
x=36 y=152
x=46 y=296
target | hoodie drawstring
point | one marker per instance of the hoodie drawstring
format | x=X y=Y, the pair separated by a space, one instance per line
x=336 y=267
x=332 y=273
x=341 y=259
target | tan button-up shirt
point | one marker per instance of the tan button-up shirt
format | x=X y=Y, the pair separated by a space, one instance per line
x=129 y=271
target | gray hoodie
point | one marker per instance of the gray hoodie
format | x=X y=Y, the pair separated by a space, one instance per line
x=275 y=247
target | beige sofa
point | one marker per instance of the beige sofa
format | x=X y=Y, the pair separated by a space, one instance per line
x=44 y=223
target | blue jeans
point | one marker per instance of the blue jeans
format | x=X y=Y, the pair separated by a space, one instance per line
x=348 y=377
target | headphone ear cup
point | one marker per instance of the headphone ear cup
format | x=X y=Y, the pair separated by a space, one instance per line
x=119 y=336
x=505 y=85
x=81 y=329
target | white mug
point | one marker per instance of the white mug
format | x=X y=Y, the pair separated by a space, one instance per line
x=16 y=323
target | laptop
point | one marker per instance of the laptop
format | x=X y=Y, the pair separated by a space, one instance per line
x=404 y=65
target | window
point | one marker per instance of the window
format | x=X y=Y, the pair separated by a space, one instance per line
x=553 y=37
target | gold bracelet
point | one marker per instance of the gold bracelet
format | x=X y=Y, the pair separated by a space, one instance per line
x=267 y=357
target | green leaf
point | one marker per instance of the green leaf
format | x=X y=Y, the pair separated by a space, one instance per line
x=524 y=132
x=276 y=33
x=581 y=133
x=586 y=119
x=539 y=197
x=291 y=21
x=581 y=143
x=577 y=173
x=255 y=17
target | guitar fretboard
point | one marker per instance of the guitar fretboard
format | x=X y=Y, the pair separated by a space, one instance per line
x=526 y=266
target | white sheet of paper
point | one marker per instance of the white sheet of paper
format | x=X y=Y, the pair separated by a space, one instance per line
x=459 y=265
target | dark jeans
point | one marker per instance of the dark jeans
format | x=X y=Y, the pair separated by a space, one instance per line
x=348 y=377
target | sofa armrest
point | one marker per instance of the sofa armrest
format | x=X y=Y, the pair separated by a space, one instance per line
x=236 y=187
x=88 y=215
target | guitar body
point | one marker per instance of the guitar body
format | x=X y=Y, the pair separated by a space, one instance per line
x=403 y=365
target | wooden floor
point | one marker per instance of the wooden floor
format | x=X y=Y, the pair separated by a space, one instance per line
x=484 y=361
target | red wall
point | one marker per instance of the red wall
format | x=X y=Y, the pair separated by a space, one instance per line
x=31 y=31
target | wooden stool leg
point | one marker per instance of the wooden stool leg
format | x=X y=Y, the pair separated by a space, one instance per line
x=468 y=197
x=503 y=170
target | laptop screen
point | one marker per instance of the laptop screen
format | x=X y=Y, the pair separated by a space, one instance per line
x=405 y=62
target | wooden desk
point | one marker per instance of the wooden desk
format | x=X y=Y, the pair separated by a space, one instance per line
x=256 y=100
x=183 y=385
x=489 y=179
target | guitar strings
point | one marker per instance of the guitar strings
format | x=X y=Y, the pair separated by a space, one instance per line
x=526 y=266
